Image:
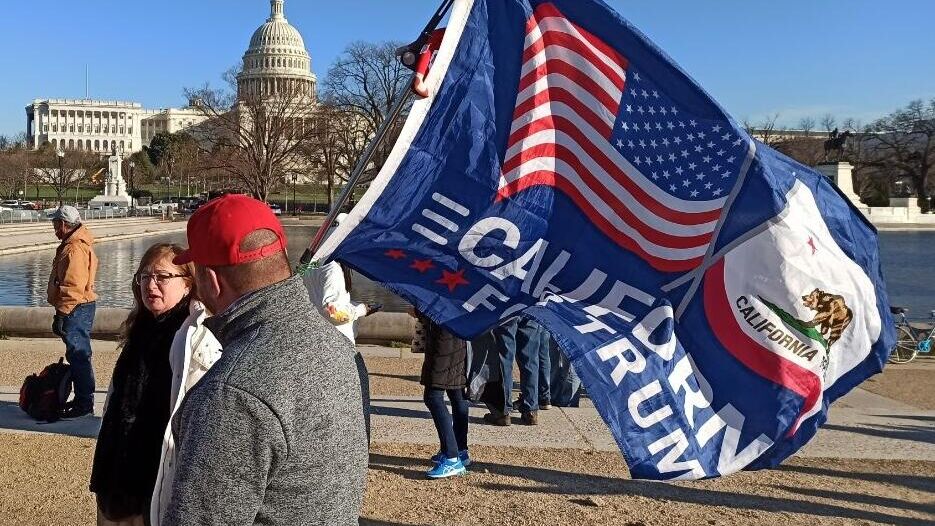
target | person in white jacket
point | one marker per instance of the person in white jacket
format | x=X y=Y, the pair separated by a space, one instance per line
x=328 y=286
x=194 y=350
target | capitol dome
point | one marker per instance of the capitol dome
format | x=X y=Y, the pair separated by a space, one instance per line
x=276 y=61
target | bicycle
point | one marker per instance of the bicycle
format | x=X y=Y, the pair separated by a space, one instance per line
x=910 y=339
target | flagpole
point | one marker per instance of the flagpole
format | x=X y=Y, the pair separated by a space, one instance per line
x=408 y=55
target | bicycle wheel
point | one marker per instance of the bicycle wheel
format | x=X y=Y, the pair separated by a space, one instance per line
x=906 y=346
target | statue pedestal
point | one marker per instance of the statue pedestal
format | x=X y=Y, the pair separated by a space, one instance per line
x=841 y=174
x=115 y=188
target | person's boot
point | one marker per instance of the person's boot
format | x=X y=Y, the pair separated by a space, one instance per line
x=77 y=411
x=530 y=418
x=496 y=418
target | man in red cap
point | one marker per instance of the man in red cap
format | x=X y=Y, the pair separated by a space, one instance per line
x=274 y=433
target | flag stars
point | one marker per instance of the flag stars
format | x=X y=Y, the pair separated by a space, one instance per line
x=706 y=159
x=653 y=143
x=642 y=143
x=452 y=279
x=686 y=183
x=721 y=153
x=678 y=170
x=659 y=159
x=658 y=126
x=700 y=176
x=640 y=110
x=666 y=174
x=716 y=168
x=698 y=149
x=726 y=137
x=690 y=137
x=738 y=141
x=694 y=193
x=716 y=128
x=663 y=110
x=665 y=141
x=711 y=144
x=671 y=156
x=625 y=126
x=670 y=125
x=731 y=159
x=633 y=92
x=652 y=111
x=681 y=124
x=655 y=176
x=619 y=143
x=636 y=77
x=692 y=123
x=422 y=265
x=692 y=166
x=672 y=188
x=701 y=135
x=655 y=94
x=637 y=161
x=644 y=93
x=677 y=140
x=647 y=160
x=717 y=192
x=674 y=110
x=630 y=143
x=395 y=254
x=646 y=126
x=629 y=108
x=684 y=153
x=708 y=185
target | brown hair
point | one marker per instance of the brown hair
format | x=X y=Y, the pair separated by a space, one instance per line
x=155 y=253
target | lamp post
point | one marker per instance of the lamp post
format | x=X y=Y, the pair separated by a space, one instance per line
x=132 y=199
x=295 y=204
x=61 y=174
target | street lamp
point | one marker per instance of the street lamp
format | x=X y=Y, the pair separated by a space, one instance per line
x=61 y=174
x=295 y=204
x=132 y=199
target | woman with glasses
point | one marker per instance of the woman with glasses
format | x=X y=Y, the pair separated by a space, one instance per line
x=164 y=350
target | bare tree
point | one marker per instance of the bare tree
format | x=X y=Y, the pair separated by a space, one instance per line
x=340 y=138
x=257 y=139
x=807 y=124
x=903 y=144
x=62 y=170
x=828 y=122
x=366 y=80
x=766 y=131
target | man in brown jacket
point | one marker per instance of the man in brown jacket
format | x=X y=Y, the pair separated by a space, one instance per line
x=71 y=292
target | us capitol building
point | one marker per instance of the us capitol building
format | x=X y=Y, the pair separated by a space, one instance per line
x=276 y=60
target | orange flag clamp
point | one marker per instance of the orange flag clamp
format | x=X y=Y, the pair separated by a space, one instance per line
x=425 y=60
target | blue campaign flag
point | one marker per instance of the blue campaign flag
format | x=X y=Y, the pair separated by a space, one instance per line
x=714 y=296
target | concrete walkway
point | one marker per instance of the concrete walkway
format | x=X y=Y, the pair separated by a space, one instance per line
x=862 y=425
x=16 y=238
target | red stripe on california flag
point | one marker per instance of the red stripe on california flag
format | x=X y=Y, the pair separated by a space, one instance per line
x=549 y=10
x=762 y=361
x=669 y=263
x=567 y=127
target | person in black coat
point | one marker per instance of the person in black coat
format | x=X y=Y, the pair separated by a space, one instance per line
x=445 y=371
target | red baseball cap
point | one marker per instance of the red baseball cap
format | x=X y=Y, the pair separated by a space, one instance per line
x=216 y=230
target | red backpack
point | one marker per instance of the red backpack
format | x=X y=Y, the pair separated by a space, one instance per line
x=43 y=395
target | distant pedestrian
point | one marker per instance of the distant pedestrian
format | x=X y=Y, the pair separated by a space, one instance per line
x=444 y=371
x=71 y=292
x=532 y=357
x=274 y=432
x=138 y=406
x=330 y=287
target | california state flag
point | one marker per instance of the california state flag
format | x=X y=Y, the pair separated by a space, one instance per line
x=791 y=306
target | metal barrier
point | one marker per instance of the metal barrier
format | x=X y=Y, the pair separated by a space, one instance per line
x=34 y=216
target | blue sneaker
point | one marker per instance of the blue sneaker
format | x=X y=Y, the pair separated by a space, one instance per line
x=447 y=468
x=463 y=455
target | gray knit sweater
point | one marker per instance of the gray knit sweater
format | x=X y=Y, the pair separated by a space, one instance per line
x=274 y=432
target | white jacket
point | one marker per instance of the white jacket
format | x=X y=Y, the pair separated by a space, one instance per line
x=326 y=287
x=194 y=350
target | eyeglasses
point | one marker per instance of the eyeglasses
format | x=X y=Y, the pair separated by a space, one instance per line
x=160 y=278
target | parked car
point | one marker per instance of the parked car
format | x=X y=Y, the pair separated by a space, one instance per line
x=276 y=209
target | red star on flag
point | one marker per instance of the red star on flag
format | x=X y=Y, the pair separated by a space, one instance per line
x=453 y=279
x=811 y=243
x=422 y=265
x=395 y=254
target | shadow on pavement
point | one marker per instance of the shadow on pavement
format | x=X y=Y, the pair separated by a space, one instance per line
x=12 y=418
x=920 y=433
x=559 y=482
x=913 y=482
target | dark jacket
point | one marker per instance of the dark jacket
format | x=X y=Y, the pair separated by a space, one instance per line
x=273 y=433
x=445 y=361
x=129 y=444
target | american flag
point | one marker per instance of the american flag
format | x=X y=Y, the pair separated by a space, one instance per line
x=651 y=173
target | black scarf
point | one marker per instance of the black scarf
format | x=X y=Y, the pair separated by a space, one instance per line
x=129 y=444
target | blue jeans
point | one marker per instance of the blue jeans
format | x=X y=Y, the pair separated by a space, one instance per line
x=566 y=386
x=532 y=356
x=76 y=333
x=505 y=341
x=452 y=428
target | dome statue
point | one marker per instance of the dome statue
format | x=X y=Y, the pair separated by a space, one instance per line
x=276 y=61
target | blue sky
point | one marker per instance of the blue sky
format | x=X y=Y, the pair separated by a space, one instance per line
x=857 y=58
